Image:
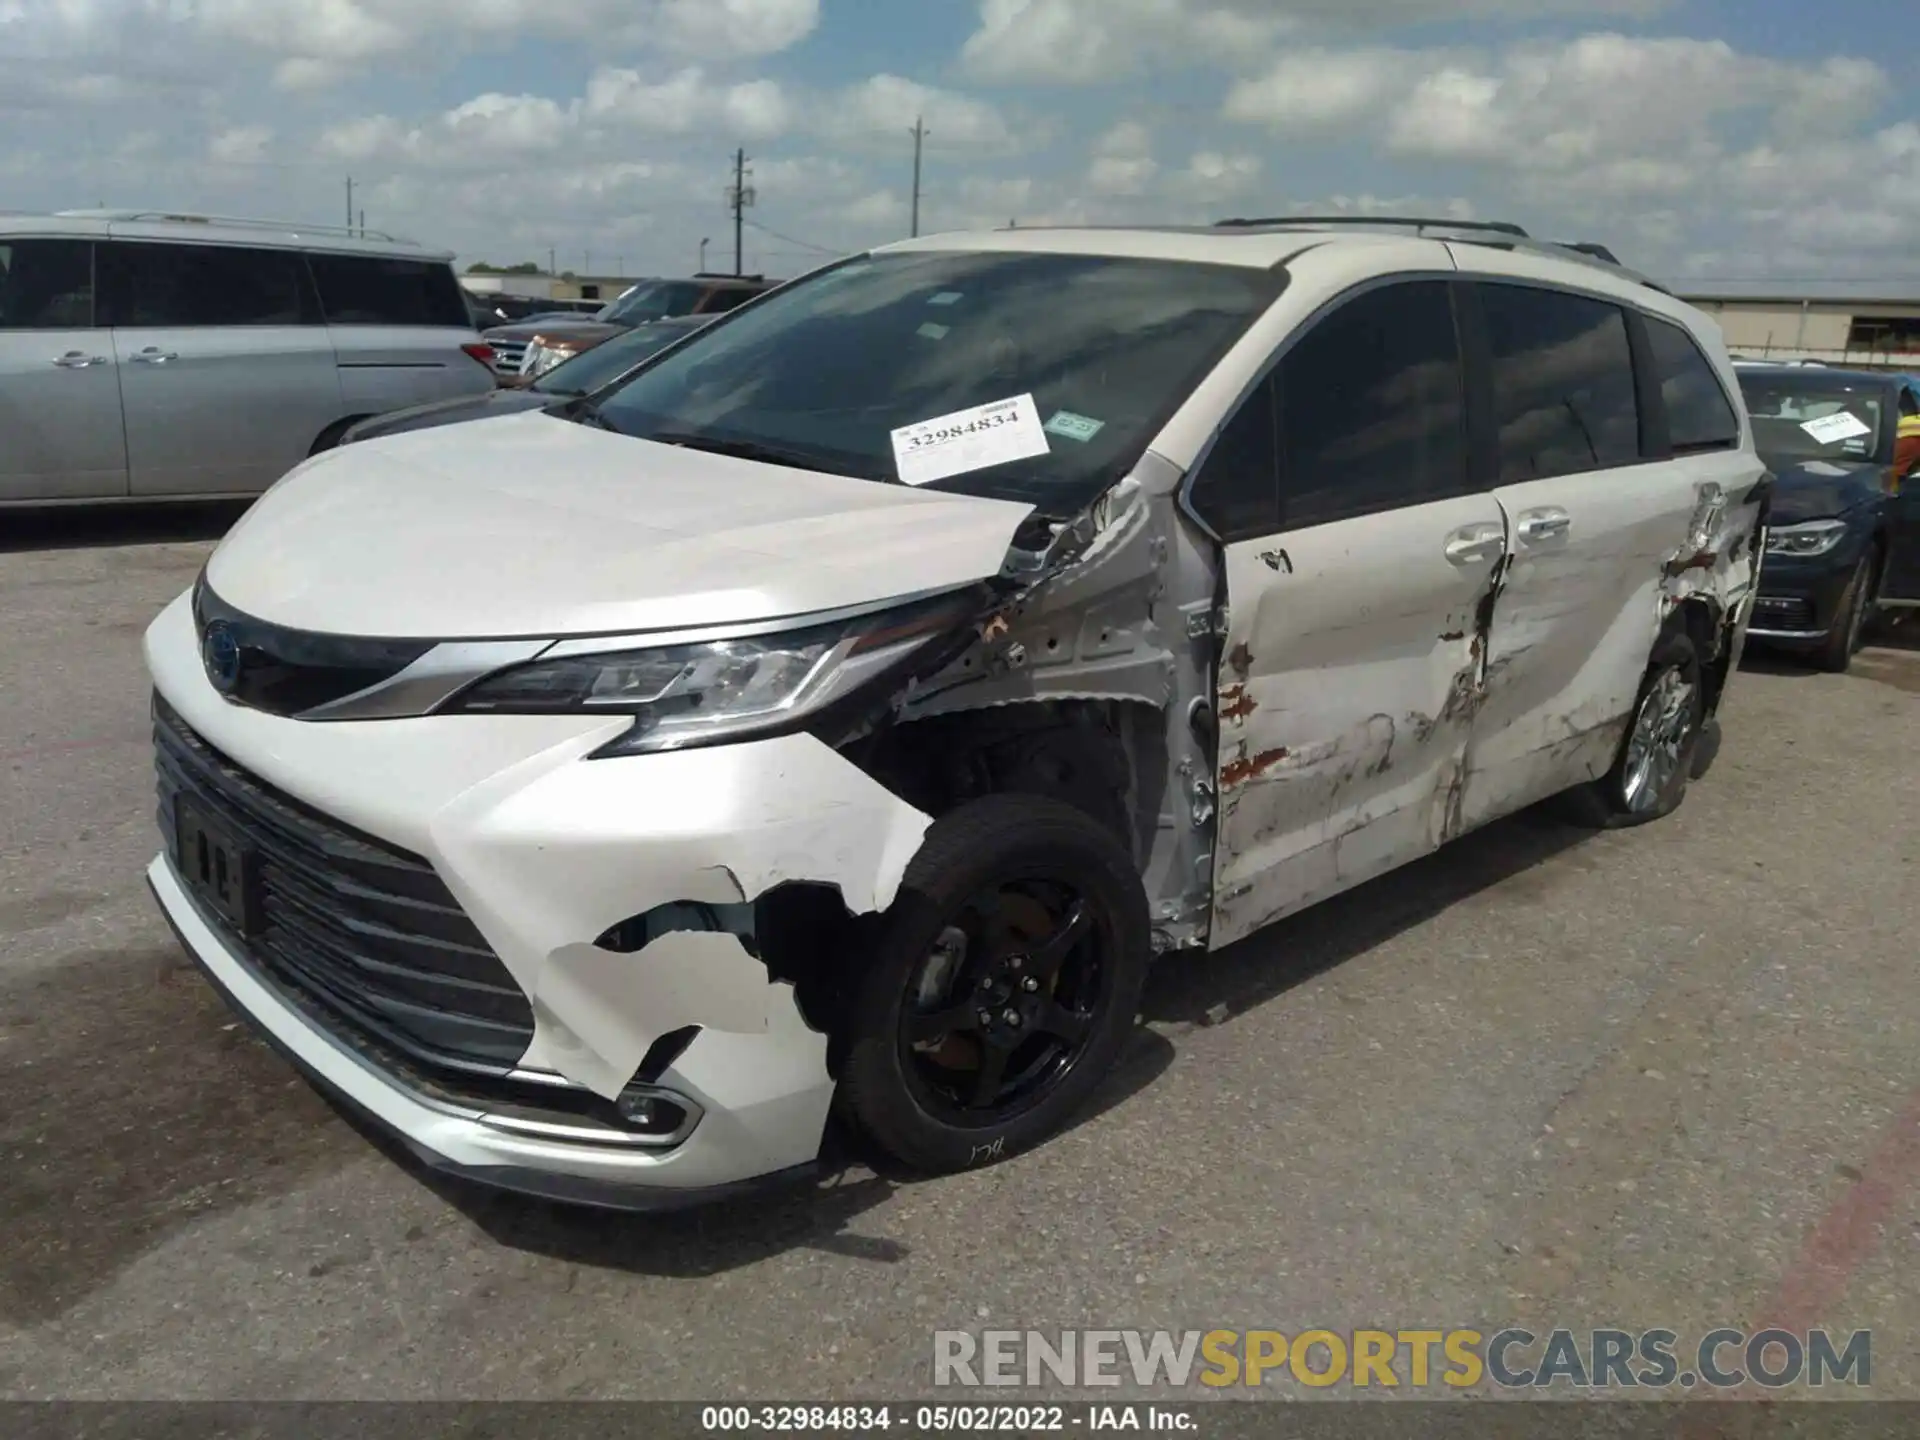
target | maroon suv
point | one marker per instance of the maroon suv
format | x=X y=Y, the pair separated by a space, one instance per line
x=555 y=340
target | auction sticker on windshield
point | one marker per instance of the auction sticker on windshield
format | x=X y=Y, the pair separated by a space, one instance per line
x=969 y=440
x=1843 y=425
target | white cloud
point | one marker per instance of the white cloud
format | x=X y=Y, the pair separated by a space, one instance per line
x=242 y=145
x=313 y=43
x=1305 y=89
x=1083 y=42
x=880 y=110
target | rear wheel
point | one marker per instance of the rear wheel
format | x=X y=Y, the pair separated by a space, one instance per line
x=1004 y=983
x=1658 y=753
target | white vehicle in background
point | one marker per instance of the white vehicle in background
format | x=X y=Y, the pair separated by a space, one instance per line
x=147 y=356
x=833 y=715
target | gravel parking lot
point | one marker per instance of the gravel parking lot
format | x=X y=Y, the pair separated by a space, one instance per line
x=1658 y=1078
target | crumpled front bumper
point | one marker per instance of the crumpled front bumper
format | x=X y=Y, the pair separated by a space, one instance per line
x=546 y=850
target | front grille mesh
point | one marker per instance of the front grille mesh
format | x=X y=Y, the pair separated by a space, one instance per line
x=365 y=930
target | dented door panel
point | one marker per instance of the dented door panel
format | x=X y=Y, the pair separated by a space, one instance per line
x=1576 y=616
x=1351 y=655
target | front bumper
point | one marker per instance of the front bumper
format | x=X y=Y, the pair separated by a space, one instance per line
x=545 y=851
x=1799 y=599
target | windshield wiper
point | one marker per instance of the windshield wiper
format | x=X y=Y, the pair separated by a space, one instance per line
x=583 y=411
x=754 y=450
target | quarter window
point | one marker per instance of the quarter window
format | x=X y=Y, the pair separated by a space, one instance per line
x=1237 y=491
x=382 y=290
x=1699 y=416
x=46 y=285
x=1372 y=408
x=1563 y=384
x=165 y=286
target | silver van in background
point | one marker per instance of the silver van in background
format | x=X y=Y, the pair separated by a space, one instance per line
x=147 y=356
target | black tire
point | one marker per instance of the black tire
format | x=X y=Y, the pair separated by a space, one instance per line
x=1610 y=803
x=1836 y=652
x=891 y=1088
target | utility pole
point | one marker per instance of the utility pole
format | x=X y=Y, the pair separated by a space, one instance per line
x=704 y=242
x=363 y=224
x=553 y=265
x=919 y=139
x=349 y=204
x=739 y=196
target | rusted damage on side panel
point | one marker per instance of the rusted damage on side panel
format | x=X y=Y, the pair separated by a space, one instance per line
x=1244 y=768
x=1236 y=703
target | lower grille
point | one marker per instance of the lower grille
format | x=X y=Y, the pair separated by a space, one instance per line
x=507 y=355
x=357 y=927
x=1780 y=612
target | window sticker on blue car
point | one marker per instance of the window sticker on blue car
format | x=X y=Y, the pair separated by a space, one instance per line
x=1841 y=426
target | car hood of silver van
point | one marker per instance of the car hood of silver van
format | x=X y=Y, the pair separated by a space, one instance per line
x=531 y=525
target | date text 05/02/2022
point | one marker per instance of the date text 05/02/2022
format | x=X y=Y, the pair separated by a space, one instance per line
x=944 y=1419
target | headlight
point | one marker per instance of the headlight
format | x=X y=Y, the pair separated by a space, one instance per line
x=720 y=690
x=1812 y=537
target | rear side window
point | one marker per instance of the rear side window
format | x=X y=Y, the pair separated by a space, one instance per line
x=379 y=290
x=46 y=285
x=726 y=298
x=1563 y=387
x=1699 y=416
x=157 y=285
x=1372 y=407
x=1237 y=491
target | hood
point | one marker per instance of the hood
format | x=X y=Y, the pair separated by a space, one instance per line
x=529 y=525
x=576 y=332
x=1823 y=489
x=506 y=401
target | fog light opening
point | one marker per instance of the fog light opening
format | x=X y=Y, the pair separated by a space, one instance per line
x=648 y=1112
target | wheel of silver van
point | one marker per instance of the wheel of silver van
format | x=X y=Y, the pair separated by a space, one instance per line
x=1661 y=728
x=1003 y=985
x=1656 y=757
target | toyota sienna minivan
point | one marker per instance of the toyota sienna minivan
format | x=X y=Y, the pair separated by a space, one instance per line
x=816 y=732
x=167 y=357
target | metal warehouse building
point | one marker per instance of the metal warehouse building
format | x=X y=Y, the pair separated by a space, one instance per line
x=1861 y=323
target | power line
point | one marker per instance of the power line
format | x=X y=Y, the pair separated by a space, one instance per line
x=803 y=244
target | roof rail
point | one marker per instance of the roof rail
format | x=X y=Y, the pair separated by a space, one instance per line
x=236 y=222
x=723 y=275
x=1501 y=234
x=1497 y=227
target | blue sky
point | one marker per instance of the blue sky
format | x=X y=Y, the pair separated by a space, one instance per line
x=1701 y=137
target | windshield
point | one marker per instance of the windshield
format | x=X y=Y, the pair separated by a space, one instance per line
x=1049 y=374
x=1813 y=419
x=654 y=300
x=607 y=361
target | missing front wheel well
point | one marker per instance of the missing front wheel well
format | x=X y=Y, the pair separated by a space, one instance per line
x=1079 y=752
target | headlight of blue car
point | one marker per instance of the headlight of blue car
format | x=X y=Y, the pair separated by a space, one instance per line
x=1810 y=537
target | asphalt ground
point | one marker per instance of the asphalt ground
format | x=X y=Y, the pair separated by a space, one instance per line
x=1662 y=1078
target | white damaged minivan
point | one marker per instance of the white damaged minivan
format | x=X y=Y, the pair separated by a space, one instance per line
x=817 y=732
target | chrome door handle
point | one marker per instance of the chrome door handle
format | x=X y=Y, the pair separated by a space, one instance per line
x=78 y=360
x=1474 y=543
x=1545 y=525
x=153 y=356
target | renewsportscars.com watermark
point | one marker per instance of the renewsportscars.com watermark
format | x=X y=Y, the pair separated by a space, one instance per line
x=1511 y=1359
